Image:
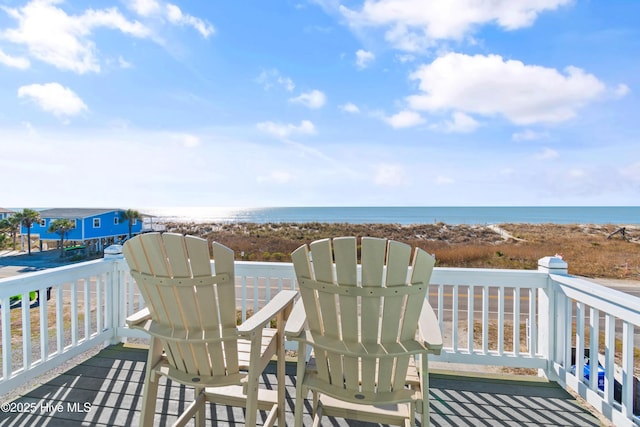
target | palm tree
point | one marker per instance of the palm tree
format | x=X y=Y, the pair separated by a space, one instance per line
x=10 y=225
x=61 y=226
x=4 y=227
x=130 y=215
x=27 y=217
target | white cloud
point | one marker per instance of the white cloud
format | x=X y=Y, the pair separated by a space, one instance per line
x=62 y=40
x=313 y=99
x=350 y=108
x=632 y=172
x=403 y=58
x=285 y=130
x=276 y=177
x=461 y=123
x=621 y=90
x=364 y=58
x=412 y=25
x=576 y=173
x=13 y=61
x=389 y=175
x=404 y=119
x=145 y=7
x=529 y=135
x=490 y=85
x=123 y=63
x=444 y=180
x=269 y=78
x=54 y=98
x=547 y=154
x=187 y=140
x=176 y=16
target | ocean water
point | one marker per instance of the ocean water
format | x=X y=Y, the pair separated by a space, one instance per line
x=617 y=215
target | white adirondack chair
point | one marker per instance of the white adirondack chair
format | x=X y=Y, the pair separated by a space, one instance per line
x=191 y=317
x=366 y=328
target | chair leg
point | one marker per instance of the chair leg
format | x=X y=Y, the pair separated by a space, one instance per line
x=201 y=414
x=317 y=415
x=252 y=401
x=301 y=367
x=280 y=354
x=424 y=386
x=150 y=388
x=412 y=415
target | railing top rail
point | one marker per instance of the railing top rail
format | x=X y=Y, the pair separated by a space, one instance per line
x=15 y=284
x=620 y=304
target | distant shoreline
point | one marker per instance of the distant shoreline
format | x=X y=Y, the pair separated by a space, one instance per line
x=407 y=215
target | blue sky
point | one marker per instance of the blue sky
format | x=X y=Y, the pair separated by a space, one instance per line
x=148 y=103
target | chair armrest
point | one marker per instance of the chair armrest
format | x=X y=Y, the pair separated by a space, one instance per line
x=283 y=301
x=296 y=322
x=429 y=329
x=139 y=318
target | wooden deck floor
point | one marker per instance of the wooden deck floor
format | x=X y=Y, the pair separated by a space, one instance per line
x=106 y=390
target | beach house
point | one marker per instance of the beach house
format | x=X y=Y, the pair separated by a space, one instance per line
x=5 y=213
x=95 y=227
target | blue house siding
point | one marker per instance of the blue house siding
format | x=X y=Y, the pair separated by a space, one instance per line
x=5 y=213
x=85 y=220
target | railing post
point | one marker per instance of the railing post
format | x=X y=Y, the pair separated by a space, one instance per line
x=114 y=291
x=548 y=315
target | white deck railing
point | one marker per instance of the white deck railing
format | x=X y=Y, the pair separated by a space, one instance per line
x=512 y=318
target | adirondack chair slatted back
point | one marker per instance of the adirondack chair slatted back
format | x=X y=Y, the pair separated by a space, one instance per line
x=193 y=311
x=363 y=326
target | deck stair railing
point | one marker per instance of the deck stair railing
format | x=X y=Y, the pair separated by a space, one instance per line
x=514 y=319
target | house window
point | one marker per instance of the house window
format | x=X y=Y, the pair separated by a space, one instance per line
x=96 y=222
x=116 y=220
x=43 y=222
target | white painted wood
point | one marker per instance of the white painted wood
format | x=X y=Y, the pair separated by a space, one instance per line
x=594 y=336
x=516 y=321
x=609 y=357
x=119 y=295
x=191 y=318
x=362 y=356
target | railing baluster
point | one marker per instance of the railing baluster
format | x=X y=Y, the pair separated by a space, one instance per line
x=485 y=319
x=454 y=316
x=501 y=322
x=7 y=362
x=243 y=284
x=110 y=299
x=441 y=307
x=44 y=323
x=533 y=324
x=568 y=326
x=579 y=362
x=59 y=320
x=99 y=312
x=87 y=310
x=26 y=331
x=594 y=335
x=74 y=313
x=609 y=356
x=470 y=309
x=627 y=369
x=516 y=321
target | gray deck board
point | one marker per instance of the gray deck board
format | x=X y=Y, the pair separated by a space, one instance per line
x=110 y=383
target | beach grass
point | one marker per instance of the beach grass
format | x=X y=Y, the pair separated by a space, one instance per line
x=588 y=249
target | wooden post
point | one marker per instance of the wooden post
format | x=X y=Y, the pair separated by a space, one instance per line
x=549 y=317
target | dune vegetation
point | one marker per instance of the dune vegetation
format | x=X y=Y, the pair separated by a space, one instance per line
x=590 y=250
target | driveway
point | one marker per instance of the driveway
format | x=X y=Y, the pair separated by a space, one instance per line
x=14 y=262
